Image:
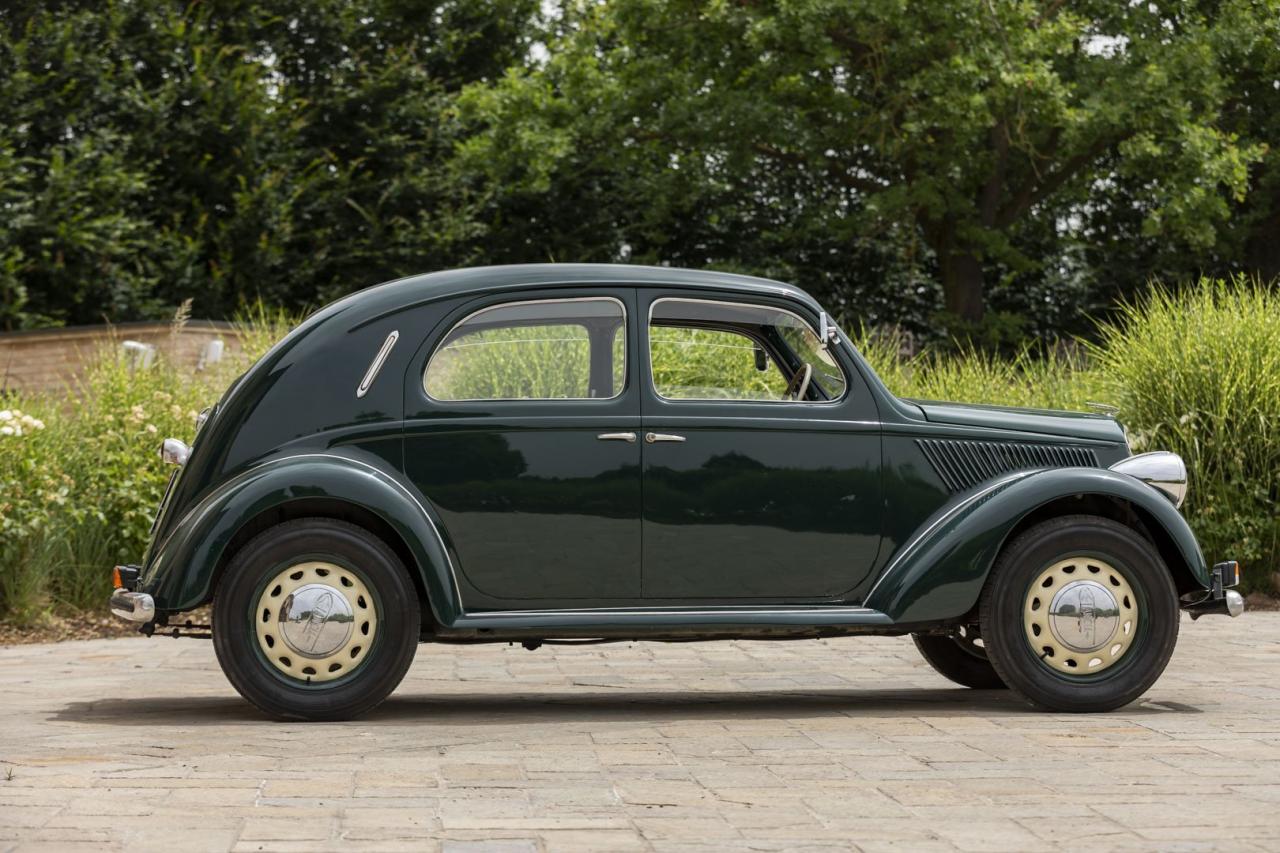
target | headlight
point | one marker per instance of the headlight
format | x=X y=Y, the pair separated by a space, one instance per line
x=1162 y=470
x=174 y=452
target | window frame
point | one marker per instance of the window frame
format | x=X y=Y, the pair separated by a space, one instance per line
x=442 y=343
x=653 y=385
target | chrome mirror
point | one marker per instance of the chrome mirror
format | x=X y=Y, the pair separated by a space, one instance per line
x=827 y=331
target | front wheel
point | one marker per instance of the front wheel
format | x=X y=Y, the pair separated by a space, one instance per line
x=1080 y=614
x=315 y=619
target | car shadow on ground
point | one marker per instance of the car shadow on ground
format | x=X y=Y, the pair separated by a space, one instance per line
x=613 y=706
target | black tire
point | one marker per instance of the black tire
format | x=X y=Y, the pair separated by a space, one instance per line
x=959 y=659
x=1009 y=590
x=368 y=559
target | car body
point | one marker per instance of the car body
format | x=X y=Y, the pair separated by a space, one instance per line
x=560 y=452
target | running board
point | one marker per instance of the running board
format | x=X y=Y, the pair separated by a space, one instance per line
x=654 y=619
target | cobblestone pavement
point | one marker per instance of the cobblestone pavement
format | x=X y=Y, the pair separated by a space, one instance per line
x=853 y=743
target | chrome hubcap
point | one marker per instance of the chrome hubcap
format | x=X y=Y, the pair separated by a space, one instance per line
x=1084 y=616
x=315 y=621
x=1081 y=616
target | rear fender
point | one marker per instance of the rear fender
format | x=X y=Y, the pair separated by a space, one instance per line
x=939 y=574
x=180 y=573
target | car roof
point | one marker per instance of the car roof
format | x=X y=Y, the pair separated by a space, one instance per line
x=429 y=287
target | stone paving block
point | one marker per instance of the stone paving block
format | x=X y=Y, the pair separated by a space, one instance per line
x=827 y=745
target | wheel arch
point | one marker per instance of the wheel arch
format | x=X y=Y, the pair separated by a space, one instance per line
x=182 y=571
x=1124 y=512
x=937 y=576
x=327 y=508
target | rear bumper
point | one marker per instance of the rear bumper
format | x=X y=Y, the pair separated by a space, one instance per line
x=125 y=602
x=133 y=606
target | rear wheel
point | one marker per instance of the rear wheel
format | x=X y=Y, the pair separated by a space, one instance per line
x=961 y=657
x=315 y=619
x=1080 y=614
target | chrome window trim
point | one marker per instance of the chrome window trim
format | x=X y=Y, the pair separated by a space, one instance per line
x=625 y=353
x=375 y=366
x=737 y=401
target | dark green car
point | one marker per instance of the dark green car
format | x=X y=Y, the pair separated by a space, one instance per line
x=574 y=453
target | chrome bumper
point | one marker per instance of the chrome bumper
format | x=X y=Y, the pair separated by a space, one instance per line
x=1219 y=598
x=133 y=606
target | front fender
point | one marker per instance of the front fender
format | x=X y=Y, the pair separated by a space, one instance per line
x=939 y=574
x=180 y=571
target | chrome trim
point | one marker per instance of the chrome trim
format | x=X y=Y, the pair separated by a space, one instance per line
x=174 y=451
x=651 y=437
x=671 y=611
x=628 y=437
x=1234 y=602
x=699 y=401
x=133 y=606
x=1159 y=469
x=376 y=365
x=496 y=306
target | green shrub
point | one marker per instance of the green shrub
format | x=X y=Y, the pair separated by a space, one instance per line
x=1197 y=372
x=77 y=492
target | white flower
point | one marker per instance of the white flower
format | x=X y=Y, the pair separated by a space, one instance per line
x=37 y=423
x=6 y=430
x=151 y=428
x=6 y=415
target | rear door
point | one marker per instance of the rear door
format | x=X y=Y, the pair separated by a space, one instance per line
x=521 y=431
x=761 y=457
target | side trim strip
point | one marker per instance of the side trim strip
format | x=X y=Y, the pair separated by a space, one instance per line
x=376 y=365
x=660 y=611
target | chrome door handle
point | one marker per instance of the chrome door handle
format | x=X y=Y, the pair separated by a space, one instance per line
x=628 y=437
x=651 y=437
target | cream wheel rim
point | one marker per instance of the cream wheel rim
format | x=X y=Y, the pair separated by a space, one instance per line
x=315 y=621
x=1081 y=616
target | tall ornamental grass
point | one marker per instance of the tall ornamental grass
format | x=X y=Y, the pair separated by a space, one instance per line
x=1197 y=372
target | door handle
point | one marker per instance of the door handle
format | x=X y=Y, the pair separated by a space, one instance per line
x=651 y=437
x=628 y=437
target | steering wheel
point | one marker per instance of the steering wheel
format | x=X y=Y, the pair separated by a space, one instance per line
x=798 y=387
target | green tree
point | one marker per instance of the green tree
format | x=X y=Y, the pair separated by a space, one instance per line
x=947 y=131
x=292 y=150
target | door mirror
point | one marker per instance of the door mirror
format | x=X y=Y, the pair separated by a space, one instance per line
x=827 y=332
x=762 y=359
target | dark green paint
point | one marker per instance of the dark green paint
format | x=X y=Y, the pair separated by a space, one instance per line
x=769 y=519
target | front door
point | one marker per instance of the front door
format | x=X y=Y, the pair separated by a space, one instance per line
x=761 y=456
x=524 y=443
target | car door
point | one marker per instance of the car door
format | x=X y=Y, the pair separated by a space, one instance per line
x=520 y=430
x=748 y=493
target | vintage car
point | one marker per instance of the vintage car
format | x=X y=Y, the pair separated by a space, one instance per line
x=582 y=453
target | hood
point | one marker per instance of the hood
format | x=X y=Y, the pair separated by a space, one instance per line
x=1044 y=421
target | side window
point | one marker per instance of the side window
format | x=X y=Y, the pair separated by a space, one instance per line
x=703 y=350
x=709 y=364
x=565 y=349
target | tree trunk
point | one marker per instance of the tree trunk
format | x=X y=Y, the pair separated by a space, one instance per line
x=962 y=283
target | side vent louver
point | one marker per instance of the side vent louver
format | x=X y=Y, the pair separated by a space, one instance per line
x=964 y=464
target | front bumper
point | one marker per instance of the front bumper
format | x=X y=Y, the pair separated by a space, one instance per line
x=1219 y=599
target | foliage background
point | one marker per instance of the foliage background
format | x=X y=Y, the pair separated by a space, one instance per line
x=995 y=178
x=997 y=171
